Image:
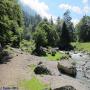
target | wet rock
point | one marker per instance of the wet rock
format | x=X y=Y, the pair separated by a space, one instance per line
x=87 y=70
x=57 y=49
x=67 y=53
x=80 y=55
x=65 y=88
x=67 y=67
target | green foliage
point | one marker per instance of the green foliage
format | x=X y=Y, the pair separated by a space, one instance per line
x=31 y=20
x=46 y=34
x=58 y=56
x=69 y=24
x=27 y=46
x=11 y=23
x=40 y=38
x=65 y=38
x=33 y=84
x=83 y=29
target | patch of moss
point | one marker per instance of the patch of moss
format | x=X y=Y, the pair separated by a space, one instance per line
x=33 y=84
x=58 y=56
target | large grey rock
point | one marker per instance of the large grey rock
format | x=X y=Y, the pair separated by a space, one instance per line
x=47 y=67
x=42 y=51
x=65 y=88
x=67 y=67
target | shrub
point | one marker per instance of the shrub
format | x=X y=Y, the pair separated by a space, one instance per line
x=27 y=46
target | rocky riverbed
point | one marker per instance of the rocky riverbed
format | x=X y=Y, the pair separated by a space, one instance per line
x=22 y=67
x=82 y=61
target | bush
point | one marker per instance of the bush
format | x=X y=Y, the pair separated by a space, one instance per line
x=40 y=38
x=2 y=54
x=27 y=46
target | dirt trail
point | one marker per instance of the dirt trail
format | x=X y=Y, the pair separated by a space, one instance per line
x=15 y=70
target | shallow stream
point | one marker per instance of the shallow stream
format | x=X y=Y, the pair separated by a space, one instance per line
x=82 y=61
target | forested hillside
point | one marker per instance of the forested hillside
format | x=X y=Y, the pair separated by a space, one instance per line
x=19 y=23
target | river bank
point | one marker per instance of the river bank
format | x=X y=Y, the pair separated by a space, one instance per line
x=21 y=67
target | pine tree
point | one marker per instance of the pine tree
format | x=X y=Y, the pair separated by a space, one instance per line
x=65 y=37
x=11 y=23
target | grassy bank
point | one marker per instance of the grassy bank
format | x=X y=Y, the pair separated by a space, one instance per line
x=58 y=56
x=33 y=84
x=82 y=46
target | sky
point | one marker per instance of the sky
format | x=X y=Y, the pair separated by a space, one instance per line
x=55 y=8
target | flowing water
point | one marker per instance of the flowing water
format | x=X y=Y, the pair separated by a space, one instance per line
x=82 y=61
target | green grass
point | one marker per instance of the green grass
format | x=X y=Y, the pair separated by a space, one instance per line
x=33 y=84
x=82 y=46
x=57 y=56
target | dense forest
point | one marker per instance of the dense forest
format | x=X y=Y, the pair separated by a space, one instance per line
x=29 y=31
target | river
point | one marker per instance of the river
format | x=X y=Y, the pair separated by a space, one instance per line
x=82 y=61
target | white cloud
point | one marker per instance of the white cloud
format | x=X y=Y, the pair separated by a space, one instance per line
x=85 y=1
x=86 y=9
x=75 y=9
x=40 y=7
x=75 y=21
x=65 y=6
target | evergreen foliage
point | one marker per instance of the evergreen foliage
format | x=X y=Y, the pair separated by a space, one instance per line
x=11 y=23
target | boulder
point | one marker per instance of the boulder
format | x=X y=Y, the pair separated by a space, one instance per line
x=65 y=88
x=42 y=69
x=43 y=51
x=47 y=68
x=67 y=67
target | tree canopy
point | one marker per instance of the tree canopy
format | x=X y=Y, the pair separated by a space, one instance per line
x=83 y=29
x=11 y=23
